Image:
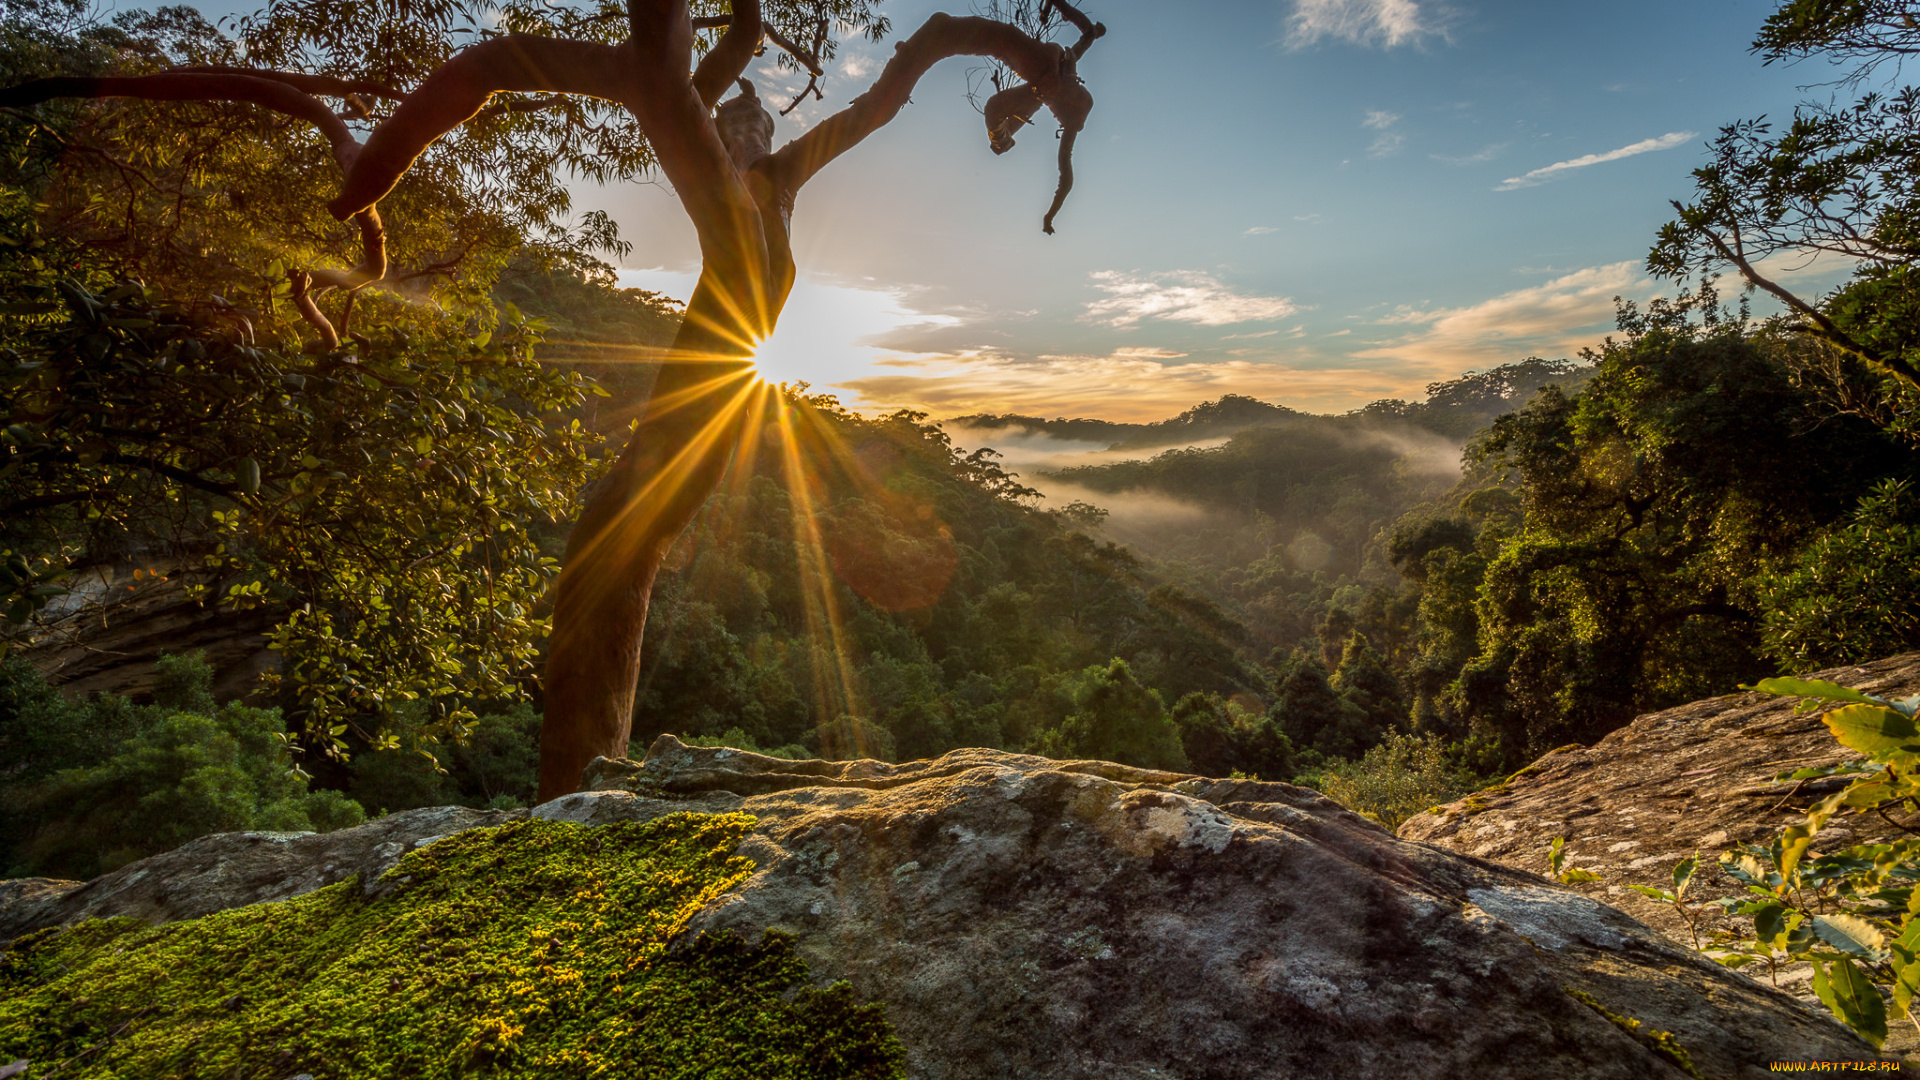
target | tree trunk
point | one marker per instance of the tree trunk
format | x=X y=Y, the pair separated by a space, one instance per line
x=668 y=469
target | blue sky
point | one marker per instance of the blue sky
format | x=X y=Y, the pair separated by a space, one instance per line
x=1316 y=202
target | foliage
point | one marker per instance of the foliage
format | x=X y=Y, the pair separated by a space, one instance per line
x=886 y=594
x=534 y=948
x=1220 y=737
x=390 y=505
x=1838 y=180
x=1114 y=718
x=215 y=197
x=1853 y=594
x=1850 y=912
x=1690 y=911
x=1317 y=717
x=1625 y=576
x=494 y=766
x=188 y=768
x=1402 y=776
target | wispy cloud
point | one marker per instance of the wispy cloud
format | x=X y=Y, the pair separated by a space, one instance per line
x=1187 y=296
x=1558 y=317
x=1645 y=146
x=1388 y=141
x=1484 y=154
x=1260 y=230
x=1115 y=386
x=1385 y=23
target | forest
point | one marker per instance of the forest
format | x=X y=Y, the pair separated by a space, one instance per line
x=356 y=540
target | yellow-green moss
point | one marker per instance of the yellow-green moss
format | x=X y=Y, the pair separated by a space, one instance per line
x=1662 y=1043
x=534 y=949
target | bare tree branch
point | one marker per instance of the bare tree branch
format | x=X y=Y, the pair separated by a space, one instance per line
x=1049 y=68
x=731 y=54
x=302 y=298
x=252 y=89
x=453 y=94
x=321 y=85
x=1823 y=327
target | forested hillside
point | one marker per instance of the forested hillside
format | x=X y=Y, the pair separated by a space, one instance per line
x=1527 y=557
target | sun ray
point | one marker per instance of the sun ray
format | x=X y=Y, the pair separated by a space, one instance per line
x=821 y=606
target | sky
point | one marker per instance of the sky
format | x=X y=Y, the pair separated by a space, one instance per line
x=1319 y=203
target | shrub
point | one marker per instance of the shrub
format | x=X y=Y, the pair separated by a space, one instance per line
x=1396 y=780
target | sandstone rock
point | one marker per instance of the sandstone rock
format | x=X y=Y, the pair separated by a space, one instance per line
x=1024 y=917
x=231 y=870
x=105 y=634
x=1698 y=778
x=1021 y=917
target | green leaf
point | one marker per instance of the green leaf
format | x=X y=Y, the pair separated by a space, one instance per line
x=1873 y=730
x=1813 y=688
x=1850 y=934
x=1683 y=874
x=1792 y=845
x=1902 y=955
x=248 y=475
x=1851 y=998
x=1770 y=923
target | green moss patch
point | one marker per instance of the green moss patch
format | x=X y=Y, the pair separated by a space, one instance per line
x=534 y=949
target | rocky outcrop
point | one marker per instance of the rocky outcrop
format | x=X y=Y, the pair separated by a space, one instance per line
x=1696 y=779
x=104 y=635
x=1025 y=917
x=229 y=870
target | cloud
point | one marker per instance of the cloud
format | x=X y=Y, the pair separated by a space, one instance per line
x=1385 y=23
x=1187 y=296
x=1388 y=141
x=1260 y=230
x=1540 y=176
x=1557 y=317
x=1484 y=154
x=1115 y=386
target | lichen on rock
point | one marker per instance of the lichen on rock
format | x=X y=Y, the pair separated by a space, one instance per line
x=534 y=948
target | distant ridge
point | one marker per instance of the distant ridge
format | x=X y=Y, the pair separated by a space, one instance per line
x=1455 y=408
x=1230 y=415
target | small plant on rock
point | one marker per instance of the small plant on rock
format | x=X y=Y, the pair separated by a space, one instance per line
x=1851 y=913
x=1557 y=867
x=1690 y=911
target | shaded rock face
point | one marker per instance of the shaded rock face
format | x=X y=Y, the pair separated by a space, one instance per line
x=1021 y=917
x=230 y=870
x=104 y=636
x=1698 y=778
x=1025 y=917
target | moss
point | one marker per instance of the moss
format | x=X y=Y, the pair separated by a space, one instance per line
x=1662 y=1043
x=533 y=949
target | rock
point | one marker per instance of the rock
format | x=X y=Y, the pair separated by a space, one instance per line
x=1694 y=779
x=105 y=633
x=1698 y=778
x=1025 y=917
x=231 y=870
